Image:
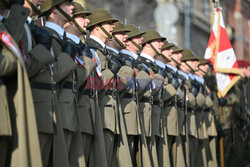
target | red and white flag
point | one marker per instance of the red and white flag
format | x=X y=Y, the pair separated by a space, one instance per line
x=221 y=54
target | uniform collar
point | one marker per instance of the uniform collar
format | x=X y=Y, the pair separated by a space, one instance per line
x=147 y=57
x=112 y=49
x=1 y=17
x=73 y=37
x=97 y=40
x=29 y=20
x=191 y=76
x=160 y=64
x=55 y=27
x=124 y=51
x=183 y=74
x=199 y=79
x=171 y=67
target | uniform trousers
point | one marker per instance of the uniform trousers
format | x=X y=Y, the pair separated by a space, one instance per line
x=46 y=141
x=109 y=139
x=3 y=149
x=87 y=142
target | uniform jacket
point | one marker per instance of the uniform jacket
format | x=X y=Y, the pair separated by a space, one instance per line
x=26 y=150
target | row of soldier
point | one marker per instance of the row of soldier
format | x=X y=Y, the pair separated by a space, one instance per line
x=113 y=97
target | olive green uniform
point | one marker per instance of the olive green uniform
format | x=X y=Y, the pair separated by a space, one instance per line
x=168 y=99
x=24 y=147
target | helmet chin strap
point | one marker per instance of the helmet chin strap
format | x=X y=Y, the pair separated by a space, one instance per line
x=136 y=45
x=176 y=62
x=105 y=31
x=119 y=42
x=192 y=70
x=72 y=20
x=34 y=8
x=202 y=71
x=159 y=54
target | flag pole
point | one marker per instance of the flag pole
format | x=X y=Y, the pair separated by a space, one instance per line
x=217 y=43
x=211 y=13
x=221 y=137
x=216 y=5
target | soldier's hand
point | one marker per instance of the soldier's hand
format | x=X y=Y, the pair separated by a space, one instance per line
x=18 y=2
x=41 y=36
x=85 y=51
x=222 y=101
x=69 y=48
x=126 y=61
x=141 y=67
x=114 y=65
x=174 y=82
x=162 y=72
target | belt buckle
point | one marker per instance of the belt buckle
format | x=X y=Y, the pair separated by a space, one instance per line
x=151 y=101
x=161 y=103
x=114 y=93
x=53 y=87
x=74 y=86
x=91 y=93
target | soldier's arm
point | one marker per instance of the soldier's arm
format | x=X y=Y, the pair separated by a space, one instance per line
x=37 y=59
x=125 y=75
x=63 y=66
x=158 y=80
x=143 y=80
x=168 y=90
x=8 y=62
x=86 y=68
x=191 y=101
x=200 y=100
x=15 y=21
x=232 y=99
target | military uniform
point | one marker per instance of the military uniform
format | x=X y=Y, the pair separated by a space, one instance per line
x=123 y=81
x=128 y=97
x=148 y=87
x=56 y=88
x=19 y=105
x=168 y=93
x=105 y=87
x=7 y=67
x=85 y=95
x=35 y=56
x=191 y=140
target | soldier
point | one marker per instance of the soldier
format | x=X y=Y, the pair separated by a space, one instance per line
x=233 y=120
x=173 y=116
x=57 y=75
x=208 y=116
x=128 y=96
x=202 y=106
x=17 y=114
x=85 y=102
x=189 y=63
x=114 y=45
x=150 y=87
x=169 y=112
x=100 y=27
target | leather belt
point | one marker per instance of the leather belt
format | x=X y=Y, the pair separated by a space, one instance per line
x=180 y=105
x=111 y=92
x=44 y=86
x=89 y=92
x=145 y=99
x=67 y=85
x=170 y=102
x=129 y=96
x=157 y=102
